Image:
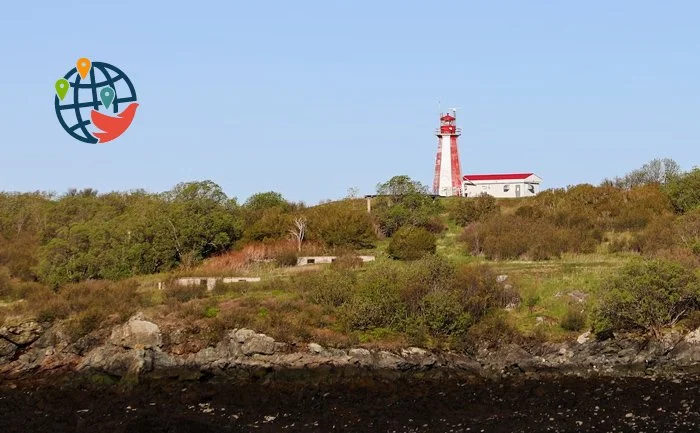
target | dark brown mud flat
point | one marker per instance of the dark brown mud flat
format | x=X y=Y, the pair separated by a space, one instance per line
x=357 y=404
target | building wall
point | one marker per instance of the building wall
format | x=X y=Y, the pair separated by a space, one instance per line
x=500 y=189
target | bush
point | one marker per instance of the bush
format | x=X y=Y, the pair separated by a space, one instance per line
x=286 y=258
x=443 y=313
x=411 y=243
x=330 y=288
x=513 y=236
x=347 y=261
x=493 y=331
x=648 y=295
x=185 y=293
x=468 y=210
x=480 y=293
x=376 y=301
x=574 y=319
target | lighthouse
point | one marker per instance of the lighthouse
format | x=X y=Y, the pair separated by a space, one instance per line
x=448 y=175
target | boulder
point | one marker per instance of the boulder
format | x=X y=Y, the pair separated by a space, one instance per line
x=584 y=338
x=22 y=334
x=7 y=350
x=693 y=337
x=137 y=334
x=118 y=361
x=259 y=343
x=243 y=335
x=315 y=348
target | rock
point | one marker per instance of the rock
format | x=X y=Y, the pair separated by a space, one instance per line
x=511 y=306
x=243 y=335
x=501 y=278
x=7 y=350
x=259 y=343
x=583 y=338
x=419 y=357
x=578 y=296
x=315 y=348
x=23 y=333
x=360 y=356
x=137 y=334
x=118 y=361
x=693 y=337
x=390 y=361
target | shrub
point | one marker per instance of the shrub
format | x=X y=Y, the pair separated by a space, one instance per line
x=347 y=261
x=513 y=236
x=376 y=301
x=411 y=243
x=443 y=313
x=492 y=331
x=5 y=284
x=286 y=258
x=649 y=295
x=468 y=210
x=574 y=319
x=479 y=292
x=185 y=293
x=330 y=288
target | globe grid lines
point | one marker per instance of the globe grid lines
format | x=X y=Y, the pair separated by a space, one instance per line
x=109 y=81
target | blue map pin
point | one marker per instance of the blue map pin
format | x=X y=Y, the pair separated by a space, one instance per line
x=107 y=96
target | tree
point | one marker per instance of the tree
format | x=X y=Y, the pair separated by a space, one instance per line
x=265 y=200
x=401 y=186
x=684 y=191
x=657 y=171
x=341 y=224
x=405 y=202
x=298 y=231
x=648 y=295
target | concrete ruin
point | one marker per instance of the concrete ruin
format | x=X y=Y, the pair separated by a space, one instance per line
x=210 y=282
x=315 y=260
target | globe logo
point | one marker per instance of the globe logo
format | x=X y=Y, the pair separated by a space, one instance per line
x=95 y=102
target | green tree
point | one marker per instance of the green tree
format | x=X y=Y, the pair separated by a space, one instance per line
x=404 y=201
x=341 y=224
x=684 y=191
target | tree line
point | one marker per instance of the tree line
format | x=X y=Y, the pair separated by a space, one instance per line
x=83 y=235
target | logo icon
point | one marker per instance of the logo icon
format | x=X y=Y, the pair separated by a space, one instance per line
x=95 y=102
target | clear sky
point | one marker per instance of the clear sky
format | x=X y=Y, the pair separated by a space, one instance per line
x=310 y=98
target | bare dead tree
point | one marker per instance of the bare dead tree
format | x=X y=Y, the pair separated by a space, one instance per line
x=299 y=231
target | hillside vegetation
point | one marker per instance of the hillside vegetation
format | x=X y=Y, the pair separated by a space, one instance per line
x=452 y=272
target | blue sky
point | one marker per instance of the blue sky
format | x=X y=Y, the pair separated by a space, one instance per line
x=310 y=98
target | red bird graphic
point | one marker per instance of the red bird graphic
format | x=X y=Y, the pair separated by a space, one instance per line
x=113 y=127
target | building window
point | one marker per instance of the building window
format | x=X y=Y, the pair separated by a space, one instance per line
x=310 y=261
x=531 y=188
x=506 y=188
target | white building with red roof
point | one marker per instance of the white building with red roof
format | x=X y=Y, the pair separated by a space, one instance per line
x=507 y=185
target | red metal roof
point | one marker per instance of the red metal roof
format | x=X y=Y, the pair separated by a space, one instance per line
x=505 y=176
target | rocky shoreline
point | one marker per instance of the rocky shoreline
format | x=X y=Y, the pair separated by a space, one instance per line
x=134 y=351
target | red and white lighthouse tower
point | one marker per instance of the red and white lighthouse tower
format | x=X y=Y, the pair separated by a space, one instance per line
x=448 y=174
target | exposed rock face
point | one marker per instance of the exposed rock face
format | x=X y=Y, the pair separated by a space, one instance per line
x=136 y=348
x=7 y=350
x=23 y=333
